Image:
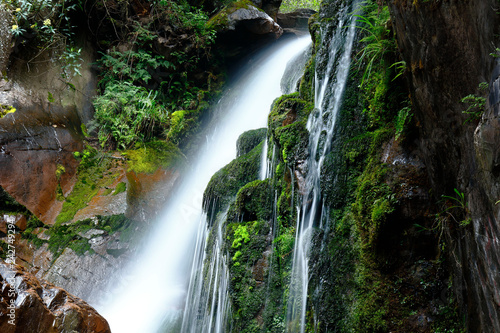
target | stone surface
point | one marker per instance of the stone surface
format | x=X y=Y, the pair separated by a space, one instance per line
x=446 y=46
x=241 y=31
x=34 y=140
x=88 y=276
x=147 y=193
x=37 y=306
x=296 y=22
x=253 y=21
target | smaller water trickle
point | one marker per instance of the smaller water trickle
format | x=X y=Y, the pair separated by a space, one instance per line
x=208 y=291
x=263 y=173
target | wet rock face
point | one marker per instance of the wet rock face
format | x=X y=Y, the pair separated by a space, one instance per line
x=34 y=141
x=446 y=46
x=32 y=305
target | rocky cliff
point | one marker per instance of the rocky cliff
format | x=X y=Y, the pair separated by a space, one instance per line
x=450 y=49
x=31 y=305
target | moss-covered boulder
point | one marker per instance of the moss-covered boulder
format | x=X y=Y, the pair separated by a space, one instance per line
x=287 y=124
x=226 y=182
x=249 y=140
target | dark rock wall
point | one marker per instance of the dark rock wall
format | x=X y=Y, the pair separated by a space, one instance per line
x=447 y=46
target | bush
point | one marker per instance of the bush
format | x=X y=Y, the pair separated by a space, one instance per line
x=126 y=113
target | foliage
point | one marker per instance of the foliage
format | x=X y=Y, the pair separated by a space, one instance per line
x=377 y=40
x=48 y=24
x=292 y=5
x=476 y=104
x=141 y=88
x=150 y=156
x=6 y=109
x=127 y=114
x=459 y=204
x=402 y=119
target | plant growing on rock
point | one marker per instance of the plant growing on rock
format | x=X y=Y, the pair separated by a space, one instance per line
x=476 y=103
x=43 y=25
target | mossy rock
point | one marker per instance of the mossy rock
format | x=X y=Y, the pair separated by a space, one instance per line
x=220 y=20
x=254 y=201
x=246 y=242
x=150 y=156
x=249 y=140
x=226 y=182
x=287 y=124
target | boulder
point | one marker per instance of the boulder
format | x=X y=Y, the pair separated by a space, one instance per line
x=296 y=22
x=32 y=305
x=243 y=28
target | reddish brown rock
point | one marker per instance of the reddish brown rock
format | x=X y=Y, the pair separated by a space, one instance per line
x=34 y=140
x=31 y=305
x=147 y=193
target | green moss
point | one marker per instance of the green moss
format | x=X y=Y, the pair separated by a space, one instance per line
x=225 y=183
x=247 y=294
x=6 y=109
x=4 y=248
x=148 y=157
x=220 y=20
x=121 y=187
x=183 y=124
x=90 y=179
x=287 y=124
x=249 y=140
x=254 y=201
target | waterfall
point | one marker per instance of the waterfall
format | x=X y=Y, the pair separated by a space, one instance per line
x=311 y=214
x=207 y=306
x=164 y=279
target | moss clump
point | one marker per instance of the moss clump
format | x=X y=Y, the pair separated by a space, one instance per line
x=9 y=205
x=249 y=140
x=220 y=20
x=246 y=243
x=6 y=109
x=121 y=187
x=93 y=174
x=183 y=124
x=287 y=124
x=254 y=201
x=148 y=157
x=226 y=182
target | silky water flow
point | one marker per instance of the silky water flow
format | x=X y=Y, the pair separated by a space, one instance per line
x=163 y=282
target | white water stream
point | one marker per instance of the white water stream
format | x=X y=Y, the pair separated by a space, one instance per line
x=329 y=88
x=151 y=295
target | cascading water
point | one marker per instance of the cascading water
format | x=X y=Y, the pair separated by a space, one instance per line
x=207 y=306
x=153 y=290
x=321 y=124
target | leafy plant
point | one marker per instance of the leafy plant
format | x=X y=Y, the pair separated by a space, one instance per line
x=46 y=23
x=402 y=119
x=291 y=5
x=377 y=39
x=126 y=114
x=475 y=103
x=458 y=202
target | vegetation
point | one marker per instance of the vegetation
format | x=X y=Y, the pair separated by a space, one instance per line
x=476 y=103
x=47 y=25
x=142 y=88
x=291 y=5
x=6 y=109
